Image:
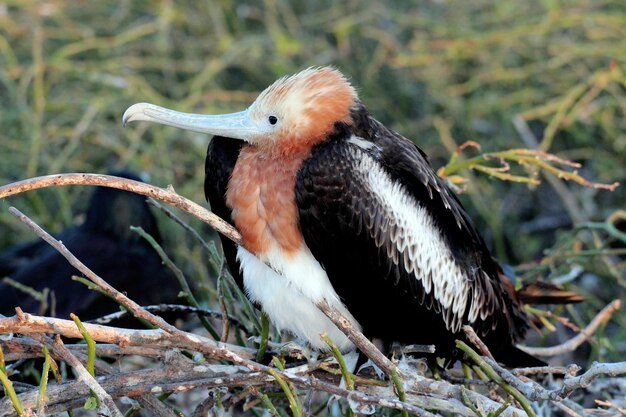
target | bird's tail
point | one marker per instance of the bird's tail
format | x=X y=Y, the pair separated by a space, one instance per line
x=544 y=293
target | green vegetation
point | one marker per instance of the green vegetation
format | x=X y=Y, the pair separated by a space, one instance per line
x=546 y=75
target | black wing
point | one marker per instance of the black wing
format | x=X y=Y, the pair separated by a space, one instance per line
x=399 y=284
x=220 y=161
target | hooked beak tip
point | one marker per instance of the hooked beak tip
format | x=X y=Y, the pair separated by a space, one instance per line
x=133 y=113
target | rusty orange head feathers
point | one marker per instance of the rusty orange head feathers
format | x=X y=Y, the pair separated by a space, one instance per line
x=292 y=114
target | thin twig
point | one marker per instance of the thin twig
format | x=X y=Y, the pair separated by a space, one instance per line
x=43 y=385
x=366 y=346
x=202 y=344
x=18 y=348
x=536 y=392
x=166 y=195
x=473 y=337
x=180 y=277
x=580 y=338
x=169 y=213
x=32 y=324
x=485 y=364
x=85 y=376
x=173 y=308
x=356 y=337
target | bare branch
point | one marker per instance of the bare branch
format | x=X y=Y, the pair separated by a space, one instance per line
x=173 y=308
x=166 y=195
x=473 y=337
x=580 y=338
x=30 y=324
x=536 y=392
x=85 y=376
x=18 y=348
x=357 y=337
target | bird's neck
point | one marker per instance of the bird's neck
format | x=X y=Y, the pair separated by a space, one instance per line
x=261 y=195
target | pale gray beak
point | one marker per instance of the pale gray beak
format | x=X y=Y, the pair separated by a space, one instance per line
x=233 y=125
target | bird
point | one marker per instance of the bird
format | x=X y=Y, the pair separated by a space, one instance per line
x=334 y=206
x=105 y=243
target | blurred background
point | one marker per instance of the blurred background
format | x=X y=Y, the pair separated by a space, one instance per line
x=544 y=74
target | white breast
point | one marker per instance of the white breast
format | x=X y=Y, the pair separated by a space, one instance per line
x=288 y=294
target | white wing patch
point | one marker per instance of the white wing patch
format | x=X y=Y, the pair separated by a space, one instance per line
x=416 y=243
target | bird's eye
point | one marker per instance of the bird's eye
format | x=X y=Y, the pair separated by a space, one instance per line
x=273 y=120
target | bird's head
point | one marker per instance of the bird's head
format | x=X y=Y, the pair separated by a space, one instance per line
x=292 y=114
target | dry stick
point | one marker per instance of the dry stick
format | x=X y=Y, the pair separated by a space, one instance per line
x=31 y=324
x=204 y=344
x=18 y=348
x=199 y=343
x=580 y=338
x=178 y=379
x=148 y=401
x=366 y=346
x=473 y=337
x=555 y=370
x=536 y=392
x=173 y=308
x=166 y=195
x=425 y=391
x=85 y=376
x=356 y=337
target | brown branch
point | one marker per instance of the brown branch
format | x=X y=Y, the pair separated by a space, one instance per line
x=473 y=337
x=185 y=376
x=544 y=370
x=200 y=343
x=85 y=377
x=31 y=324
x=19 y=348
x=580 y=338
x=174 y=308
x=425 y=392
x=166 y=195
x=356 y=337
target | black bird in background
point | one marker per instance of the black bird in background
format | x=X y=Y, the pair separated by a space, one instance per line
x=348 y=211
x=105 y=243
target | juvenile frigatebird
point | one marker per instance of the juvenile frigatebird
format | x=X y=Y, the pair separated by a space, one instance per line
x=105 y=243
x=332 y=205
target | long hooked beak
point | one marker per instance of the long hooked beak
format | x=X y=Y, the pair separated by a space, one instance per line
x=234 y=125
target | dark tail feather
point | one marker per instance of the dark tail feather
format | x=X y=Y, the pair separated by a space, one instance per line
x=543 y=293
x=514 y=357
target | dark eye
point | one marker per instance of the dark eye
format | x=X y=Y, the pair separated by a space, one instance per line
x=273 y=120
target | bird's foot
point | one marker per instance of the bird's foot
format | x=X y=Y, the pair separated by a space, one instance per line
x=293 y=350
